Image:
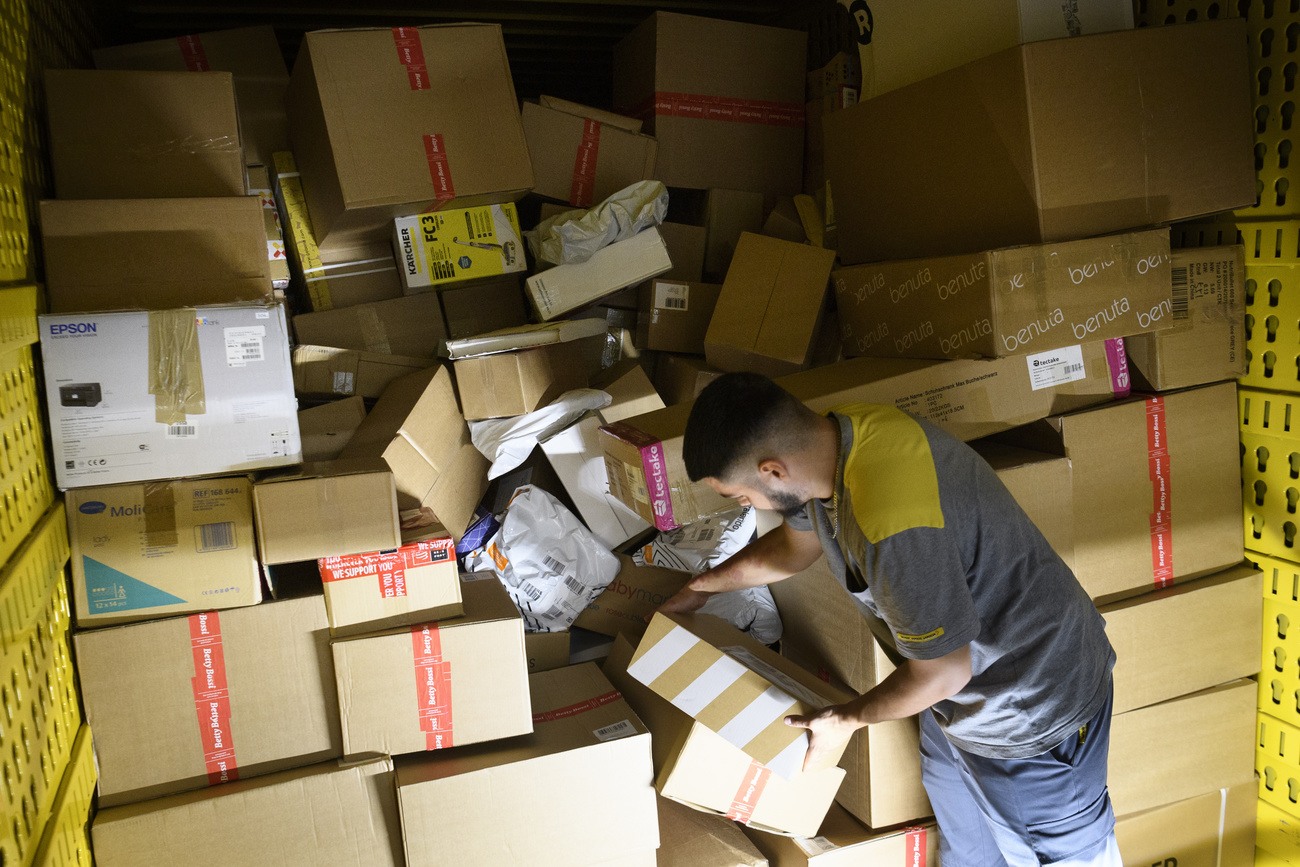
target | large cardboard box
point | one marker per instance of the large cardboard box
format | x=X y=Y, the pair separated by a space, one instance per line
x=1050 y=141
x=723 y=99
x=1207 y=342
x=584 y=773
x=691 y=838
x=563 y=288
x=394 y=121
x=630 y=124
x=326 y=370
x=844 y=840
x=1041 y=485
x=1216 y=829
x=580 y=160
x=326 y=510
x=634 y=594
x=680 y=378
x=124 y=254
x=728 y=214
x=674 y=316
x=143 y=135
x=453 y=246
x=513 y=383
x=251 y=54
x=326 y=429
x=546 y=650
x=277 y=256
x=770 y=308
x=437 y=685
x=329 y=813
x=409 y=325
x=161 y=548
x=186 y=702
x=483 y=307
x=168 y=393
x=414 y=583
x=1008 y=302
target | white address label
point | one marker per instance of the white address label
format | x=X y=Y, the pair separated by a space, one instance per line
x=672 y=296
x=1056 y=367
x=244 y=345
x=622 y=729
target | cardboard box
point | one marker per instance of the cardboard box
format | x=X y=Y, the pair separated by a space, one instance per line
x=387 y=122
x=1213 y=749
x=834 y=87
x=325 y=370
x=1216 y=829
x=581 y=160
x=151 y=550
x=325 y=510
x=623 y=122
x=410 y=325
x=277 y=257
x=168 y=393
x=723 y=99
x=1041 y=485
x=629 y=390
x=483 y=307
x=328 y=813
x=691 y=838
x=784 y=223
x=251 y=54
x=562 y=288
x=1050 y=141
x=1207 y=340
x=143 y=135
x=546 y=650
x=122 y=254
x=327 y=429
x=770 y=308
x=844 y=840
x=514 y=383
x=680 y=379
x=728 y=214
x=435 y=685
x=633 y=594
x=584 y=773
x=415 y=583
x=1008 y=302
x=674 y=316
x=187 y=702
x=686 y=247
x=525 y=337
x=449 y=247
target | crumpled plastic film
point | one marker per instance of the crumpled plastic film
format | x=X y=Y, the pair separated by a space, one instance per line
x=575 y=236
x=507 y=442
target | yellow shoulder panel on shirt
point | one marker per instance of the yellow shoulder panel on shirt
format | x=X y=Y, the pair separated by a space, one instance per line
x=889 y=474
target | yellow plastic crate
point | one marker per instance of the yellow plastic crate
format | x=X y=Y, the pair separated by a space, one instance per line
x=1272 y=326
x=66 y=841
x=26 y=487
x=1277 y=836
x=1279 y=783
x=1281 y=577
x=1270 y=471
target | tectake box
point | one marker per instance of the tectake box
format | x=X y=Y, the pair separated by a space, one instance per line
x=414 y=583
x=1050 y=141
x=580 y=160
x=182 y=392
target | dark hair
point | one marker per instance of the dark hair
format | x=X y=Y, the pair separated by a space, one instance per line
x=735 y=415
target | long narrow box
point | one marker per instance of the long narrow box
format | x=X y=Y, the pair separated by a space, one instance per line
x=563 y=288
x=415 y=583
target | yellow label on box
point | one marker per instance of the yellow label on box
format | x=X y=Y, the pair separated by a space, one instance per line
x=452 y=246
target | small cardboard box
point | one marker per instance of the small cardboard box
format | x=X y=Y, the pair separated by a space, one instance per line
x=784 y=222
x=326 y=370
x=770 y=308
x=187 y=702
x=728 y=214
x=630 y=124
x=680 y=378
x=513 y=383
x=168 y=393
x=449 y=247
x=436 y=685
x=327 y=429
x=1013 y=301
x=692 y=838
x=546 y=650
x=143 y=135
x=332 y=812
x=584 y=771
x=633 y=594
x=161 y=548
x=686 y=247
x=674 y=316
x=562 y=288
x=487 y=306
x=842 y=839
x=581 y=160
x=410 y=325
x=1216 y=829
x=326 y=510
x=277 y=257
x=154 y=254
x=415 y=583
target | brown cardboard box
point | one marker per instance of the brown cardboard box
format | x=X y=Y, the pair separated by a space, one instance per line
x=630 y=124
x=1211 y=747
x=1008 y=302
x=1207 y=340
x=375 y=590
x=834 y=87
x=686 y=247
x=325 y=430
x=393 y=121
x=153 y=254
x=1050 y=141
x=514 y=383
x=161 y=548
x=143 y=135
x=1216 y=829
x=724 y=100
x=326 y=509
x=727 y=215
x=691 y=838
x=417 y=428
x=580 y=160
x=680 y=378
x=842 y=839
x=408 y=325
x=633 y=594
x=160 y=728
x=436 y=685
x=784 y=223
x=674 y=317
x=483 y=307
x=546 y=650
x=563 y=288
x=770 y=308
x=251 y=54
x=327 y=371
x=1041 y=485
x=584 y=774
x=259 y=184
x=331 y=812
x=629 y=390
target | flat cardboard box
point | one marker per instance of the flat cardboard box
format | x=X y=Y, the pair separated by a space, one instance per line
x=584 y=773
x=723 y=99
x=410 y=325
x=681 y=378
x=332 y=812
x=483 y=307
x=581 y=160
x=277 y=256
x=333 y=372
x=770 y=308
x=327 y=429
x=377 y=138
x=674 y=316
x=630 y=124
x=728 y=214
x=326 y=510
x=1207 y=341
x=1050 y=141
x=1214 y=747
x=155 y=254
x=513 y=383
x=161 y=548
x=449 y=247
x=563 y=288
x=169 y=393
x=844 y=840
x=251 y=54
x=525 y=337
x=143 y=135
x=1013 y=301
x=691 y=838
x=635 y=593
x=376 y=590
x=1041 y=485
x=1216 y=829
x=437 y=685
x=187 y=702
x=546 y=650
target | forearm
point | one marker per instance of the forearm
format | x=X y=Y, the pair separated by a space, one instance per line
x=768 y=559
x=905 y=692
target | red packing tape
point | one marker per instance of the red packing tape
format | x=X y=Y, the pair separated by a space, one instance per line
x=212 y=698
x=575 y=709
x=583 y=189
x=432 y=687
x=196 y=59
x=751 y=789
x=915 y=856
x=387 y=567
x=1158 y=469
x=410 y=53
x=752 y=111
x=439 y=171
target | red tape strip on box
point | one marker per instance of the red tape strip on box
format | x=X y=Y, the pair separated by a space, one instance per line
x=196 y=59
x=388 y=567
x=439 y=171
x=751 y=789
x=1162 y=535
x=915 y=847
x=432 y=687
x=575 y=709
x=583 y=188
x=755 y=111
x=410 y=53
x=212 y=698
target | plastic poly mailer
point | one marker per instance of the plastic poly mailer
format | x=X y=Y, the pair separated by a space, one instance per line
x=575 y=236
x=507 y=442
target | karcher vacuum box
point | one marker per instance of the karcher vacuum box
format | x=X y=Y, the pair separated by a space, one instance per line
x=187 y=702
x=583 y=777
x=415 y=583
x=1216 y=829
x=843 y=840
x=450 y=247
x=169 y=393
x=328 y=813
x=579 y=160
x=162 y=548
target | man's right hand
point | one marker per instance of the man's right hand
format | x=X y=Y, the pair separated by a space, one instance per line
x=683 y=601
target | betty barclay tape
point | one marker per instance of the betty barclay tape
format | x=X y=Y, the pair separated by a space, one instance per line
x=389 y=568
x=749 y=792
x=212 y=698
x=1158 y=470
x=432 y=687
x=410 y=53
x=583 y=189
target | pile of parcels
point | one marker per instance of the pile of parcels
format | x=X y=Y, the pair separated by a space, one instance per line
x=361 y=476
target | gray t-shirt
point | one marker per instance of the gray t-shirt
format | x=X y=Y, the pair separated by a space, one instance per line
x=938 y=554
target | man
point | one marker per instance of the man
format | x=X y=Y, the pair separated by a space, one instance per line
x=998 y=648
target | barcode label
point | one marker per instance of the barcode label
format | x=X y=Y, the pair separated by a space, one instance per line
x=554 y=565
x=814 y=845
x=705 y=535
x=1055 y=367
x=182 y=431
x=575 y=585
x=531 y=591
x=1073 y=368
x=244 y=345
x=672 y=296
x=216 y=537
x=344 y=382
x=556 y=612
x=621 y=729
x=1180 y=293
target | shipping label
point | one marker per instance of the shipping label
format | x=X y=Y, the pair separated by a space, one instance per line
x=1057 y=367
x=244 y=345
x=672 y=296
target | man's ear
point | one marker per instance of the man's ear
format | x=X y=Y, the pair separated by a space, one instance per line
x=773 y=470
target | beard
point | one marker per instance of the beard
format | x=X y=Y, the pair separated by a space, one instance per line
x=786 y=503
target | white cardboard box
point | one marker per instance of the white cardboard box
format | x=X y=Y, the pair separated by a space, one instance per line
x=558 y=290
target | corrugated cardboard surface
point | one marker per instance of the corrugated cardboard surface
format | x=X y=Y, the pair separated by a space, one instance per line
x=514 y=383
x=555 y=139
x=686 y=247
x=137 y=684
x=328 y=813
x=327 y=429
x=583 y=777
x=679 y=378
x=411 y=325
x=1040 y=483
x=546 y=650
x=327 y=509
x=843 y=841
x=727 y=215
x=487 y=306
x=674 y=317
x=325 y=370
x=1216 y=829
x=563 y=288
x=630 y=124
x=691 y=838
x=635 y=592
x=380 y=589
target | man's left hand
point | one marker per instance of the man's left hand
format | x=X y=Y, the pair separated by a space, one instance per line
x=827 y=729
